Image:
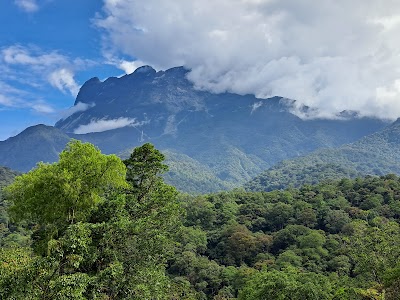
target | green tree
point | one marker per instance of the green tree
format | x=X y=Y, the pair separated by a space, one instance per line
x=66 y=192
x=144 y=167
x=278 y=215
x=374 y=249
x=96 y=235
x=289 y=284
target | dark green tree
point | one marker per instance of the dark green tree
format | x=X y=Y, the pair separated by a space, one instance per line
x=144 y=167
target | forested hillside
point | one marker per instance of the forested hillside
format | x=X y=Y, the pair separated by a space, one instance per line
x=103 y=228
x=376 y=154
x=336 y=240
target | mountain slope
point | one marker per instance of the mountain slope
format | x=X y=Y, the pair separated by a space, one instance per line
x=376 y=154
x=233 y=137
x=34 y=144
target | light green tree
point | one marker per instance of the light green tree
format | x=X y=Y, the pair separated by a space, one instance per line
x=67 y=191
x=96 y=234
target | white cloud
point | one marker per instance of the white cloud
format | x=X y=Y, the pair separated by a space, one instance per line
x=43 y=108
x=38 y=67
x=104 y=125
x=29 y=6
x=331 y=55
x=14 y=100
x=79 y=107
x=11 y=97
x=63 y=79
x=256 y=106
x=6 y=101
x=28 y=71
x=129 y=66
x=31 y=56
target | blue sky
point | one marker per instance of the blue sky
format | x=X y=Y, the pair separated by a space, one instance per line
x=58 y=30
x=331 y=55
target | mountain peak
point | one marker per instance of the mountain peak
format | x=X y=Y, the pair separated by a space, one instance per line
x=36 y=128
x=144 y=69
x=42 y=131
x=91 y=84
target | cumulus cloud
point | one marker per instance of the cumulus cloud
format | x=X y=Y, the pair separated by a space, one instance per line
x=104 y=125
x=331 y=55
x=29 y=6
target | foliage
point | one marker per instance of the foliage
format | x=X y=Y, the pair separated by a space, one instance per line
x=139 y=239
x=66 y=192
x=286 y=284
x=334 y=240
x=96 y=235
x=9 y=234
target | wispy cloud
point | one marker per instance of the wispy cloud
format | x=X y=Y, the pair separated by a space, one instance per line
x=14 y=98
x=32 y=56
x=79 y=107
x=29 y=6
x=63 y=79
x=104 y=125
x=43 y=108
x=328 y=55
x=28 y=70
x=4 y=100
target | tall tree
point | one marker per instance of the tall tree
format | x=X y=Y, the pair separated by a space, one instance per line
x=96 y=235
x=144 y=167
x=65 y=192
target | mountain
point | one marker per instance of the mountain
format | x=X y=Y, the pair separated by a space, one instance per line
x=233 y=137
x=34 y=144
x=375 y=154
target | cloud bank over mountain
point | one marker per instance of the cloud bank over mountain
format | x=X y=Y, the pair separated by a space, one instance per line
x=329 y=55
x=106 y=124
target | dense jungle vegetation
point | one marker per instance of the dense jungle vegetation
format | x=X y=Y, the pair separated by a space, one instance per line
x=94 y=227
x=376 y=154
